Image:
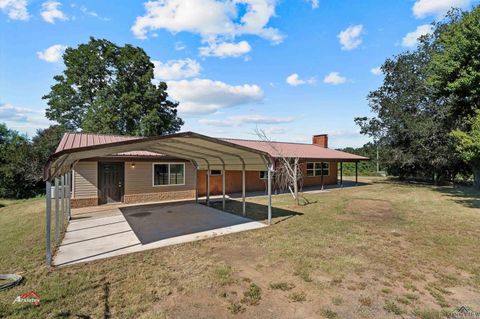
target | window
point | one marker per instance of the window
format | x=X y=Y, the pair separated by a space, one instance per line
x=263 y=174
x=215 y=172
x=318 y=169
x=168 y=174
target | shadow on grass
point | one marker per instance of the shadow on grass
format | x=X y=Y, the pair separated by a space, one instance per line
x=256 y=211
x=467 y=196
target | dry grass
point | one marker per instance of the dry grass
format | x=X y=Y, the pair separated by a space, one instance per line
x=376 y=251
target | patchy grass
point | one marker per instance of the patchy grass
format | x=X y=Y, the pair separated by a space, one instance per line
x=297 y=296
x=282 y=285
x=412 y=248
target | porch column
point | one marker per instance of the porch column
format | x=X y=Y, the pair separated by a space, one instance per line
x=341 y=174
x=356 y=173
x=69 y=194
x=48 y=217
x=223 y=187
x=321 y=165
x=62 y=194
x=208 y=185
x=57 y=228
x=269 y=195
x=243 y=191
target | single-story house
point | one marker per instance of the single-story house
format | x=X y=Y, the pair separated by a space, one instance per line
x=176 y=167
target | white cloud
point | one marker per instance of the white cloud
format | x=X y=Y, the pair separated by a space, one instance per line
x=176 y=69
x=179 y=46
x=52 y=54
x=411 y=39
x=92 y=13
x=423 y=8
x=315 y=3
x=51 y=12
x=350 y=38
x=334 y=78
x=294 y=80
x=225 y=49
x=15 y=9
x=8 y=112
x=276 y=130
x=203 y=96
x=209 y=18
x=376 y=71
x=238 y=120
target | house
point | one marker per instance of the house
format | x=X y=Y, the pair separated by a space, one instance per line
x=182 y=166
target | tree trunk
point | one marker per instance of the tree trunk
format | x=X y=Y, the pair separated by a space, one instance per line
x=476 y=176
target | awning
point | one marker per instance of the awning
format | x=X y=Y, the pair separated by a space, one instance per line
x=205 y=152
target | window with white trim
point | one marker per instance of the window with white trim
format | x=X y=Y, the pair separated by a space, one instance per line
x=168 y=174
x=318 y=169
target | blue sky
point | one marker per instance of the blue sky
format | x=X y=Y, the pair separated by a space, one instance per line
x=293 y=68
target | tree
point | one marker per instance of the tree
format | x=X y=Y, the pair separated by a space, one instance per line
x=43 y=145
x=108 y=89
x=468 y=145
x=454 y=74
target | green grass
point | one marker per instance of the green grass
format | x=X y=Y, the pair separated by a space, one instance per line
x=412 y=245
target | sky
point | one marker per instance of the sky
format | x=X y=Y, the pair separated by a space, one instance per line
x=293 y=68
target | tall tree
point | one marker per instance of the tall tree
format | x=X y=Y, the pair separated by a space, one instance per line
x=454 y=74
x=108 y=89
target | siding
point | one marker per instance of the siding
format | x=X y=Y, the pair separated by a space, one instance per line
x=138 y=179
x=86 y=180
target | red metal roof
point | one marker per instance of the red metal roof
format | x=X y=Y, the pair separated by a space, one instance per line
x=275 y=149
x=301 y=150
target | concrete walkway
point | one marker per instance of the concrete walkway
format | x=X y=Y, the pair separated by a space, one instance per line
x=90 y=237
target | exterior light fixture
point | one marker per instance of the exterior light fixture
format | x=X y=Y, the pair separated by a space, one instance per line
x=132 y=165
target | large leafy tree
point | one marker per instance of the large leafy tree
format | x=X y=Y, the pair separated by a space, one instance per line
x=454 y=74
x=109 y=89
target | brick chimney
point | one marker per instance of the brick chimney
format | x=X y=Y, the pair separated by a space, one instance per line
x=320 y=140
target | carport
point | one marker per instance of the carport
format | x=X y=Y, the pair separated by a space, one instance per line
x=205 y=153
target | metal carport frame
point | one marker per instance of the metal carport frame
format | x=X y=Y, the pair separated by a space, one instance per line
x=205 y=153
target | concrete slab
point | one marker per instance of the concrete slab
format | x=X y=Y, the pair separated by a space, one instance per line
x=94 y=238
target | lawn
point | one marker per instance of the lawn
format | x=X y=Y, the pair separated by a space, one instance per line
x=383 y=250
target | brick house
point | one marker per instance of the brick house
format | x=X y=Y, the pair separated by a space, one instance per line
x=149 y=175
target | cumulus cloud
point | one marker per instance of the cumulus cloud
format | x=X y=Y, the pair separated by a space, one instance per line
x=226 y=49
x=209 y=18
x=179 y=46
x=376 y=71
x=334 y=78
x=8 y=112
x=51 y=12
x=294 y=80
x=15 y=9
x=204 y=96
x=238 y=120
x=52 y=54
x=351 y=37
x=176 y=69
x=410 y=40
x=423 y=8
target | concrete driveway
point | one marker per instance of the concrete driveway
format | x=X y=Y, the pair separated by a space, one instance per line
x=117 y=230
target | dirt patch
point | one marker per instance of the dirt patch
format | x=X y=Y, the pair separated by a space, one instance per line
x=369 y=210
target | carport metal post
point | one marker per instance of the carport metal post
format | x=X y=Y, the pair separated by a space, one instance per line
x=62 y=192
x=69 y=194
x=57 y=230
x=48 y=217
x=269 y=195
x=208 y=185
x=223 y=187
x=243 y=191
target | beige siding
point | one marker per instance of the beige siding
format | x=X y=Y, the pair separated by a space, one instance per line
x=85 y=180
x=138 y=179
